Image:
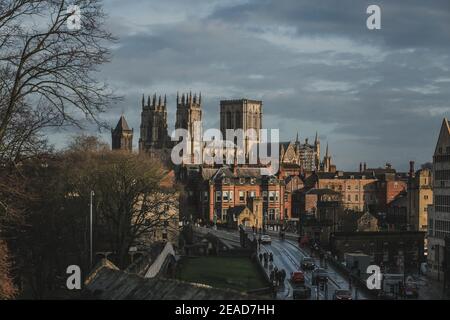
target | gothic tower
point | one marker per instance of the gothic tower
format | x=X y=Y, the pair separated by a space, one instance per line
x=154 y=134
x=189 y=117
x=122 y=136
x=242 y=114
x=327 y=165
x=317 y=151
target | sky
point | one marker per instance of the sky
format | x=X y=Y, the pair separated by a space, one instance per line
x=375 y=96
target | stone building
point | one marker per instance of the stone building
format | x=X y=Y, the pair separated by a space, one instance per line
x=297 y=157
x=189 y=117
x=439 y=212
x=242 y=114
x=358 y=189
x=122 y=136
x=154 y=135
x=420 y=196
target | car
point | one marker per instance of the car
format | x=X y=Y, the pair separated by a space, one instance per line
x=342 y=295
x=265 y=239
x=297 y=277
x=307 y=263
x=301 y=292
x=318 y=276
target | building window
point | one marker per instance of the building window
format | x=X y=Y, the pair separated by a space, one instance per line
x=265 y=195
x=225 y=196
x=241 y=180
x=349 y=198
x=241 y=196
x=425 y=196
x=252 y=194
x=271 y=214
x=205 y=195
x=271 y=196
x=231 y=196
x=218 y=196
x=356 y=197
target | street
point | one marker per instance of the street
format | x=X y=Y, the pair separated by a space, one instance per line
x=287 y=255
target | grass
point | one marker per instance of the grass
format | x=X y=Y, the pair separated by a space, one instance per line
x=238 y=273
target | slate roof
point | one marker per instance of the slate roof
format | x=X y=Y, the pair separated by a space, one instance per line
x=122 y=125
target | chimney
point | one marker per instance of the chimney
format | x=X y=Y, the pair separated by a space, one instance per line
x=411 y=169
x=365 y=166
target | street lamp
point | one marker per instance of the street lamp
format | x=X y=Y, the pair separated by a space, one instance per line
x=92 y=194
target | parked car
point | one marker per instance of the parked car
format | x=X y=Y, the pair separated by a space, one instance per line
x=297 y=277
x=319 y=275
x=342 y=295
x=266 y=239
x=307 y=263
x=301 y=292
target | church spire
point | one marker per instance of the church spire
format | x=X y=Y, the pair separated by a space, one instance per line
x=296 y=138
x=143 y=100
x=200 y=98
x=326 y=151
x=316 y=140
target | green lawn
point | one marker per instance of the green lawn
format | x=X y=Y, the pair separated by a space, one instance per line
x=222 y=272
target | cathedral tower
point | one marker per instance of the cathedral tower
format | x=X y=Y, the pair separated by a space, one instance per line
x=241 y=114
x=122 y=136
x=189 y=117
x=154 y=134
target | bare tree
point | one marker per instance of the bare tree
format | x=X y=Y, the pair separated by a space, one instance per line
x=134 y=197
x=47 y=69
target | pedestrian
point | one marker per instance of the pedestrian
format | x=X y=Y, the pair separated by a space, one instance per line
x=283 y=275
x=260 y=257
x=271 y=256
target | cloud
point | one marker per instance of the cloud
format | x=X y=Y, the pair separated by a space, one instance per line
x=375 y=96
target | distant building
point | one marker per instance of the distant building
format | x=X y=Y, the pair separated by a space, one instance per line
x=439 y=212
x=396 y=251
x=122 y=136
x=242 y=114
x=358 y=189
x=397 y=214
x=189 y=117
x=420 y=196
x=154 y=135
